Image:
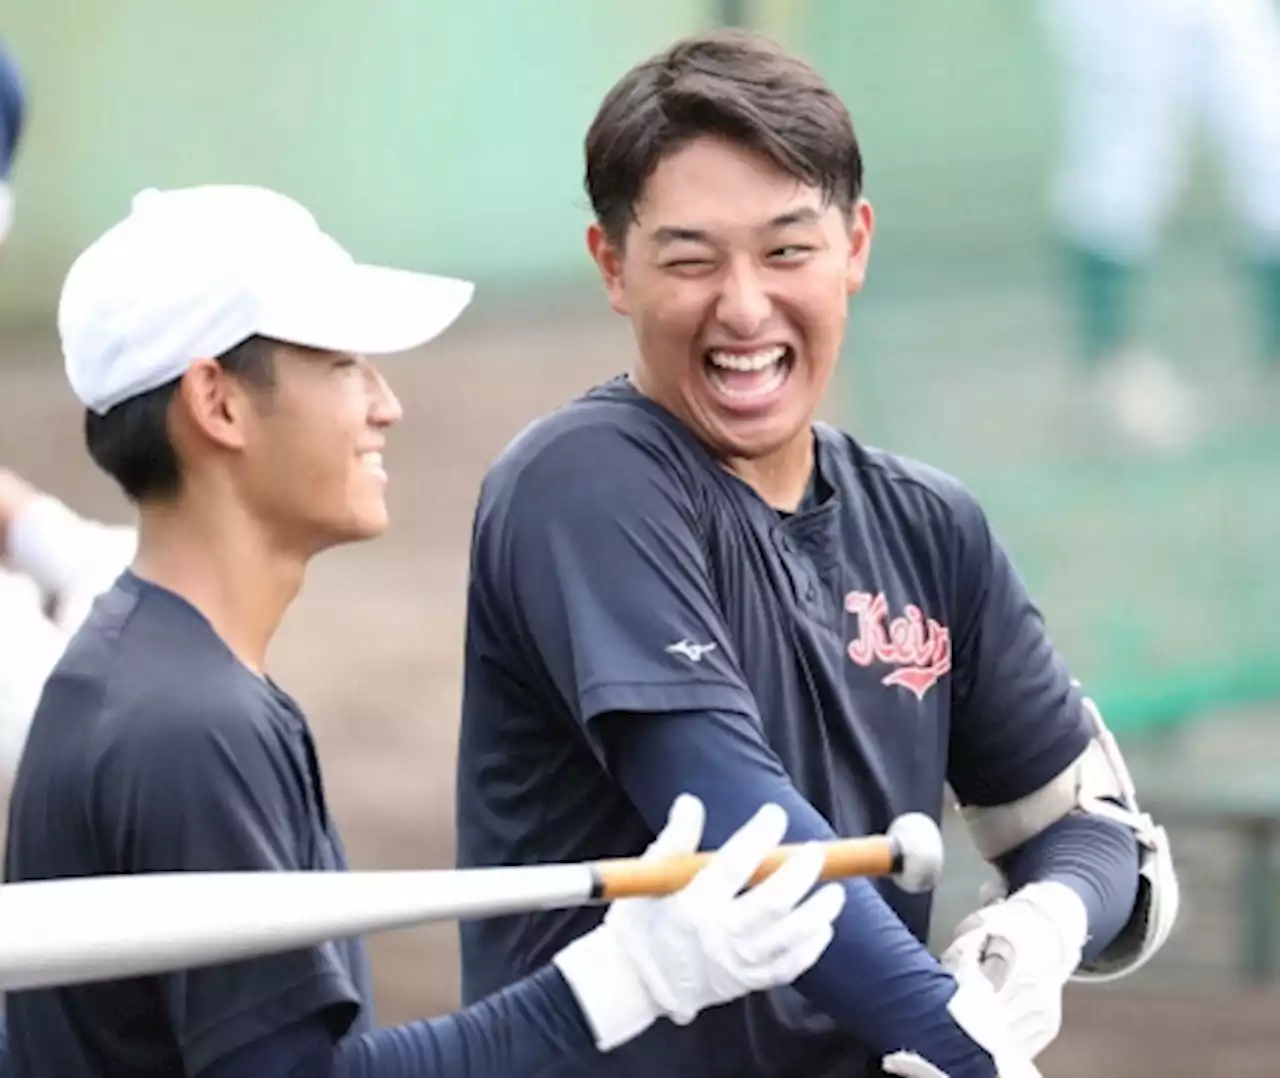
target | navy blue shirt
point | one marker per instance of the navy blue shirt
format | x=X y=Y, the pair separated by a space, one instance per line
x=154 y=750
x=849 y=660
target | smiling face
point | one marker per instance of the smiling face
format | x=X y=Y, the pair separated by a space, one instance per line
x=736 y=278
x=312 y=464
x=297 y=445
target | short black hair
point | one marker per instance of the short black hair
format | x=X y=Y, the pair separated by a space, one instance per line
x=131 y=442
x=731 y=83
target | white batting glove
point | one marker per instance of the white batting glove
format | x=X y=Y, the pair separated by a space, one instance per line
x=707 y=944
x=1027 y=946
x=910 y=1065
x=977 y=1011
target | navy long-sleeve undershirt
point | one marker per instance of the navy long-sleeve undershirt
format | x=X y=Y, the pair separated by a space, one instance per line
x=897 y=1000
x=1096 y=857
x=522 y=1030
x=875 y=977
x=897 y=997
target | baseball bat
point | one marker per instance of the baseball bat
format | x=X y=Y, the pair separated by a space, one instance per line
x=82 y=929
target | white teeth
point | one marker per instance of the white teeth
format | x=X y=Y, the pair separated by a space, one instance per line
x=751 y=361
x=774 y=380
x=372 y=461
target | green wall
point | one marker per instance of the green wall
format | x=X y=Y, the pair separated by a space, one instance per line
x=429 y=134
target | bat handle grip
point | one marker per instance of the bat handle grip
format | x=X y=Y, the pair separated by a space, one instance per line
x=632 y=878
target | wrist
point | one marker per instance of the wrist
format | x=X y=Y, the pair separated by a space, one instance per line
x=609 y=990
x=976 y=1011
x=1064 y=909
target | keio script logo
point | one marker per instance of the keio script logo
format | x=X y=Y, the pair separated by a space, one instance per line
x=918 y=648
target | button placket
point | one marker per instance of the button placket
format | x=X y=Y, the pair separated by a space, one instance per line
x=800 y=569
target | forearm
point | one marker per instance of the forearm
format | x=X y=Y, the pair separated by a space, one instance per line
x=520 y=1030
x=1096 y=857
x=875 y=978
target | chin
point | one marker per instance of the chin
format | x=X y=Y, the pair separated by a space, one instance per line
x=756 y=441
x=361 y=526
x=371 y=527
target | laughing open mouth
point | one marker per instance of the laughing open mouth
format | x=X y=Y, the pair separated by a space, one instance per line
x=749 y=376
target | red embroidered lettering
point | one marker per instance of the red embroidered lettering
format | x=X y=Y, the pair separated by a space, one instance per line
x=918 y=647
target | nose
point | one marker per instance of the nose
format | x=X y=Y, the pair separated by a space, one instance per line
x=385 y=408
x=744 y=304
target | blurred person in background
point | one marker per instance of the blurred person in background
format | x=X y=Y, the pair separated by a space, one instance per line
x=12 y=110
x=53 y=564
x=1135 y=75
x=52 y=561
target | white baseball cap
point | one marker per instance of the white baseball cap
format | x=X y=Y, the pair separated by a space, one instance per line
x=193 y=271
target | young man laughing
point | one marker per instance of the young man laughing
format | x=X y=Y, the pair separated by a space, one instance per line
x=682 y=581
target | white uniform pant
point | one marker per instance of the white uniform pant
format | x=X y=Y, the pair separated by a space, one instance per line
x=30 y=646
x=1137 y=75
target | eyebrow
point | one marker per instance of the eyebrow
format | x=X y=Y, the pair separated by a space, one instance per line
x=675 y=234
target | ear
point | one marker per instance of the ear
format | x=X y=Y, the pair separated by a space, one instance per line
x=862 y=229
x=214 y=404
x=608 y=260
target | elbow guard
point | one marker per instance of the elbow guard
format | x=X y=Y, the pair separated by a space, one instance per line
x=1096 y=782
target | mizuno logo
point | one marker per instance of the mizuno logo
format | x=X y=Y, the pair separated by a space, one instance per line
x=691 y=651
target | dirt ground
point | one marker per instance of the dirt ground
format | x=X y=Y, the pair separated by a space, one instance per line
x=372 y=650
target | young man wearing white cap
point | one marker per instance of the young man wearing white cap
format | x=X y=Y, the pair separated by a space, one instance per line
x=217 y=339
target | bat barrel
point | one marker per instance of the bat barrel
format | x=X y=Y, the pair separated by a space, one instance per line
x=106 y=928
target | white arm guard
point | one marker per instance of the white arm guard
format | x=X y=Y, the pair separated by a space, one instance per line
x=1096 y=782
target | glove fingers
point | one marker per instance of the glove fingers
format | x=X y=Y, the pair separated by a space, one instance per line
x=781 y=891
x=963 y=954
x=800 y=954
x=682 y=832
x=733 y=865
x=769 y=943
x=910 y=1065
x=992 y=956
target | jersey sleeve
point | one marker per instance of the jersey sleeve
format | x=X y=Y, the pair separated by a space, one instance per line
x=595 y=562
x=192 y=795
x=1018 y=720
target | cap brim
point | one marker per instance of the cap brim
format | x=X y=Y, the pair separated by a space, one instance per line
x=372 y=310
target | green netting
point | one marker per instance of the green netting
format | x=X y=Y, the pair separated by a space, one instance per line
x=1159 y=576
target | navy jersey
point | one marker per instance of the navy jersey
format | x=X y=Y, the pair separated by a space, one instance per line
x=155 y=750
x=875 y=645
